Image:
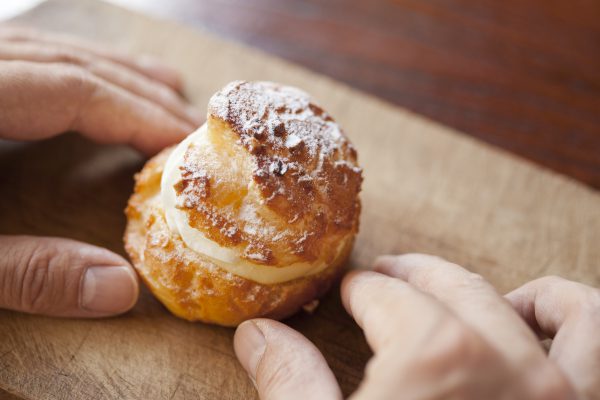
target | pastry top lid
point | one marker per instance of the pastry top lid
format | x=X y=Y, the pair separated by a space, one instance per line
x=303 y=168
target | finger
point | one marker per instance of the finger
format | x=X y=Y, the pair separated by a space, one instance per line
x=417 y=341
x=146 y=65
x=61 y=277
x=548 y=302
x=387 y=309
x=106 y=69
x=472 y=299
x=569 y=312
x=49 y=99
x=283 y=363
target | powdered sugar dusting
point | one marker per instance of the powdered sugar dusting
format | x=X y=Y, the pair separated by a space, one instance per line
x=295 y=142
x=283 y=116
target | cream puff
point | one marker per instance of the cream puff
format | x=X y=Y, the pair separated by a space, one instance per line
x=253 y=214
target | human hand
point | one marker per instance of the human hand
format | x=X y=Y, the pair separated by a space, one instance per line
x=52 y=83
x=441 y=332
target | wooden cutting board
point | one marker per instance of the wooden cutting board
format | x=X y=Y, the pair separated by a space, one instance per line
x=426 y=189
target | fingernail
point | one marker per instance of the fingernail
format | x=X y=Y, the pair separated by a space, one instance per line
x=250 y=345
x=108 y=290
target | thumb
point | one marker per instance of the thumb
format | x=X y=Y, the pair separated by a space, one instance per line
x=61 y=277
x=282 y=363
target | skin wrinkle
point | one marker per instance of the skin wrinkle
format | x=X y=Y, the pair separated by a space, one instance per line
x=22 y=279
x=86 y=88
x=8 y=276
x=94 y=89
x=37 y=276
x=16 y=289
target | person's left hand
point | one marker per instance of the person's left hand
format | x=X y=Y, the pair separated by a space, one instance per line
x=52 y=83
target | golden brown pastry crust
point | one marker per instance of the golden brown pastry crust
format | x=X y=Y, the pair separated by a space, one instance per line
x=190 y=285
x=304 y=184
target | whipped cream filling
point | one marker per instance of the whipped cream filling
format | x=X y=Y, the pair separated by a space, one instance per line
x=224 y=257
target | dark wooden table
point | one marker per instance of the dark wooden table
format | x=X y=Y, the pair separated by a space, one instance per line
x=520 y=74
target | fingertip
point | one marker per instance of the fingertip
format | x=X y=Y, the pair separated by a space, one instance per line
x=109 y=284
x=282 y=363
x=349 y=283
x=195 y=116
x=108 y=290
x=352 y=274
x=346 y=284
x=384 y=263
x=524 y=297
x=158 y=139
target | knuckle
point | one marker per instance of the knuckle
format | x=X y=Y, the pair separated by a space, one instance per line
x=77 y=81
x=40 y=275
x=76 y=76
x=167 y=96
x=458 y=342
x=594 y=300
x=542 y=285
x=69 y=56
x=476 y=278
x=33 y=279
x=468 y=281
x=453 y=342
x=80 y=85
x=425 y=278
x=269 y=380
x=550 y=280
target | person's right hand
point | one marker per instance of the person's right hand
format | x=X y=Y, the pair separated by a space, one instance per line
x=51 y=83
x=441 y=332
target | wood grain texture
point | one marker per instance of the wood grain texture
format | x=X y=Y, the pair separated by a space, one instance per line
x=427 y=189
x=521 y=74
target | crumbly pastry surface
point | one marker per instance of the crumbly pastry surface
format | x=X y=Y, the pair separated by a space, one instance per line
x=253 y=214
